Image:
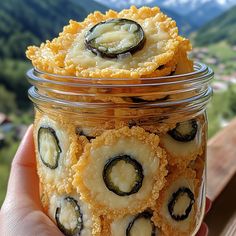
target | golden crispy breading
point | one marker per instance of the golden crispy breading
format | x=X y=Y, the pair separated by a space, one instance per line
x=178 y=179
x=184 y=64
x=179 y=64
x=199 y=165
x=59 y=179
x=68 y=55
x=134 y=142
x=50 y=56
x=43 y=193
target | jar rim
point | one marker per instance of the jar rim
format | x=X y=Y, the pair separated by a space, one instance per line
x=66 y=91
x=201 y=74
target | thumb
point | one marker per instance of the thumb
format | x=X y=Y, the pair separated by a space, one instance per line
x=23 y=181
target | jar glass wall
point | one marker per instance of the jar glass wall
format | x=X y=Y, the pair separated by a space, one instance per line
x=120 y=156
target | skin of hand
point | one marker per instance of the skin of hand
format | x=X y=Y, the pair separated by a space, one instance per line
x=21 y=213
x=203 y=231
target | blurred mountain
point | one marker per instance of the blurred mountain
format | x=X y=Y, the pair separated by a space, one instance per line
x=91 y=6
x=221 y=28
x=182 y=7
x=186 y=7
x=190 y=14
x=184 y=25
x=28 y=22
x=208 y=11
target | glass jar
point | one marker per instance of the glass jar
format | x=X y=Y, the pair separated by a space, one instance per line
x=121 y=156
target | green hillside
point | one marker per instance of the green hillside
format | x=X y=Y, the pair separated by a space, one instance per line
x=221 y=28
x=92 y=6
x=27 y=22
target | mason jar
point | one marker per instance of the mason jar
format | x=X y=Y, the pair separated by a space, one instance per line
x=122 y=156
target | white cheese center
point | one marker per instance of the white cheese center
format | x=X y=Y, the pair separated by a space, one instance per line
x=114 y=37
x=68 y=217
x=141 y=227
x=123 y=176
x=157 y=41
x=181 y=204
x=48 y=148
x=185 y=128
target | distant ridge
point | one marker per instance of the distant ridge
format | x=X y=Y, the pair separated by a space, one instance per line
x=189 y=14
x=91 y=6
x=221 y=28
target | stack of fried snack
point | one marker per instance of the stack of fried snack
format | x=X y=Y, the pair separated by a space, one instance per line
x=122 y=179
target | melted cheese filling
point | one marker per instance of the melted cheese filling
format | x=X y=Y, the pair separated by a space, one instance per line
x=68 y=217
x=64 y=141
x=48 y=148
x=141 y=227
x=184 y=128
x=113 y=37
x=68 y=214
x=119 y=226
x=181 y=204
x=123 y=175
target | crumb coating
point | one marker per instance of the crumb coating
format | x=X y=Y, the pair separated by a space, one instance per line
x=67 y=54
x=89 y=167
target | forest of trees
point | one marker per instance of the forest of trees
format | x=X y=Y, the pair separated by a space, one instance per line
x=221 y=28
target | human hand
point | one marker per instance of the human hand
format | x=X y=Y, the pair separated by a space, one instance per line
x=21 y=213
x=203 y=231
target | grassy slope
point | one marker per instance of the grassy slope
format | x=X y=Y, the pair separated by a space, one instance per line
x=221 y=28
x=222 y=50
x=28 y=22
x=225 y=55
x=92 y=6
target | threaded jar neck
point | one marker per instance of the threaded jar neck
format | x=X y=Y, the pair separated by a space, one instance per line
x=182 y=93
